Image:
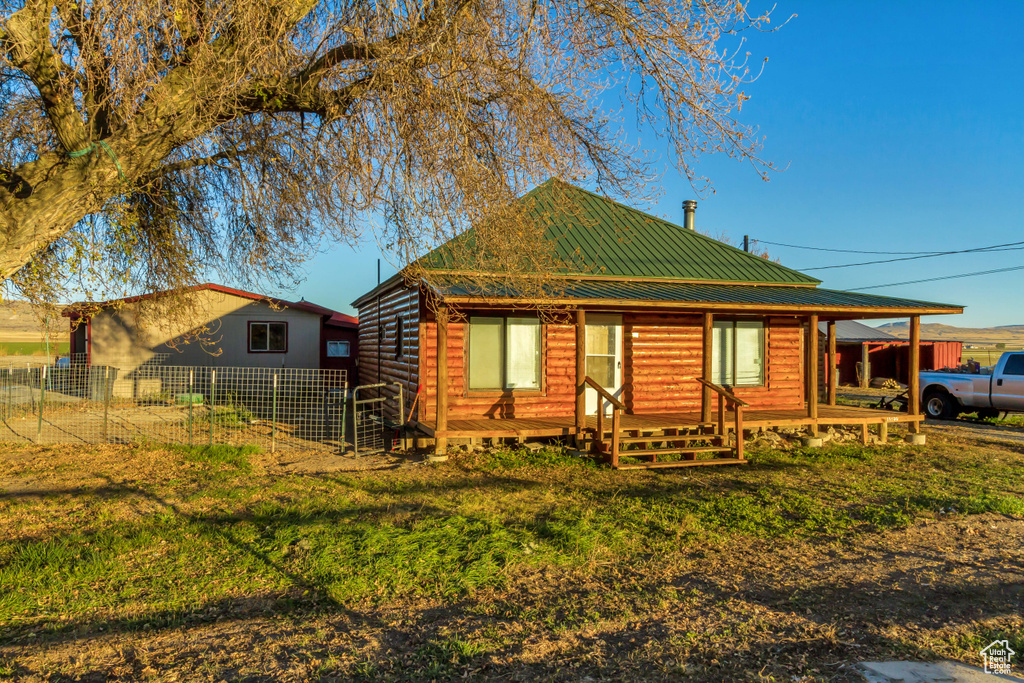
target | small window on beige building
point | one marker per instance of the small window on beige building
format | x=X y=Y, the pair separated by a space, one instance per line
x=268 y=337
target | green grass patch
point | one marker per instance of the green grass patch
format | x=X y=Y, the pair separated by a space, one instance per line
x=1010 y=420
x=33 y=348
x=214 y=528
x=218 y=456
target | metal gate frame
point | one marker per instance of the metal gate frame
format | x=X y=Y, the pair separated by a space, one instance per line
x=376 y=445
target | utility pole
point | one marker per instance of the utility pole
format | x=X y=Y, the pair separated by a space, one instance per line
x=746 y=243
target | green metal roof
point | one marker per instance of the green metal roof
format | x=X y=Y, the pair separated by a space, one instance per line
x=612 y=239
x=652 y=293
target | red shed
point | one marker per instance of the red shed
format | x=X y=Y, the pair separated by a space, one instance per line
x=887 y=356
x=339 y=344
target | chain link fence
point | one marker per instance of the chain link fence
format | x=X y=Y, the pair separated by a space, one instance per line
x=273 y=408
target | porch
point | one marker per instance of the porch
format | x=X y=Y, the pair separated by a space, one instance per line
x=565 y=425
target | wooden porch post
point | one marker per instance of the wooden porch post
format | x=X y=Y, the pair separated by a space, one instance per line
x=913 y=385
x=865 y=365
x=441 y=431
x=706 y=355
x=833 y=380
x=581 y=373
x=812 y=372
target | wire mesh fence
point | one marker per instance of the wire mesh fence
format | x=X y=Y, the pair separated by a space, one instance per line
x=273 y=408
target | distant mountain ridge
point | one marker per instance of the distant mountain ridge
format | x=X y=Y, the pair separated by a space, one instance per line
x=987 y=336
x=23 y=321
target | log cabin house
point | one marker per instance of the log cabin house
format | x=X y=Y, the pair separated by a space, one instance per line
x=651 y=357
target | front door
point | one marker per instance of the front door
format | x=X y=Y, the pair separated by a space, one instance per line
x=604 y=358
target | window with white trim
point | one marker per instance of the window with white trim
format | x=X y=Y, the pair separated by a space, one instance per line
x=338 y=349
x=268 y=337
x=504 y=353
x=737 y=358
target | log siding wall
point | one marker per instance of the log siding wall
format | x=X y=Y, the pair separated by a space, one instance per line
x=661 y=359
x=557 y=395
x=404 y=302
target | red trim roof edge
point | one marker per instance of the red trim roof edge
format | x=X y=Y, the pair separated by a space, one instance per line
x=78 y=310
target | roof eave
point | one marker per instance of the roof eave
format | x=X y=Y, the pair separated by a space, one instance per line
x=865 y=312
x=380 y=289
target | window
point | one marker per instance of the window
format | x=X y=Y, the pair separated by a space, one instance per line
x=268 y=337
x=399 y=336
x=1014 y=365
x=338 y=349
x=738 y=353
x=504 y=353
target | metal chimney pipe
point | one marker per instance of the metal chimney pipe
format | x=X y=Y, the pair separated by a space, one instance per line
x=689 y=209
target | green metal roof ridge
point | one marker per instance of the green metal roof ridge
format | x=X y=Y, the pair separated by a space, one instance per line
x=710 y=260
x=717 y=243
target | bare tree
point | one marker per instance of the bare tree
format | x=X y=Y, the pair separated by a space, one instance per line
x=149 y=143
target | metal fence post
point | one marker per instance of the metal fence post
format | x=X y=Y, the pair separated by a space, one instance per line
x=273 y=416
x=190 y=402
x=106 y=402
x=213 y=392
x=42 y=400
x=355 y=422
x=344 y=415
x=401 y=414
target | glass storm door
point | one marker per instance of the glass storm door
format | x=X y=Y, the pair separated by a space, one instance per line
x=604 y=358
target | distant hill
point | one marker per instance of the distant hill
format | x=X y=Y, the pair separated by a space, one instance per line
x=22 y=321
x=1011 y=335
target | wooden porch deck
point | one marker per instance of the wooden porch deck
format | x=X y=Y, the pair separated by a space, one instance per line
x=752 y=419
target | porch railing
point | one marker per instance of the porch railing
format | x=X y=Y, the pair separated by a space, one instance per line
x=617 y=408
x=727 y=399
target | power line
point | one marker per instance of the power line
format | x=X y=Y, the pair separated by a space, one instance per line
x=1009 y=246
x=935 y=279
x=844 y=251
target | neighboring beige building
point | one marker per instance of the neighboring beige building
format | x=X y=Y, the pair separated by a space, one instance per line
x=213 y=325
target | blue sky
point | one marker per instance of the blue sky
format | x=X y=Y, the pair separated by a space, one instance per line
x=900 y=128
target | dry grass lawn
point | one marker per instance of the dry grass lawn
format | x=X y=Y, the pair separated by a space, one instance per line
x=121 y=563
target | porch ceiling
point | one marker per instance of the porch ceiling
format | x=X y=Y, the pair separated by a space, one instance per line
x=701 y=296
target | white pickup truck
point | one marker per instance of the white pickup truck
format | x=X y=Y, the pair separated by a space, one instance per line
x=947 y=394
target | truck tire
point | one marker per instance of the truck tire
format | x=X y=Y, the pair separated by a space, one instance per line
x=941 y=405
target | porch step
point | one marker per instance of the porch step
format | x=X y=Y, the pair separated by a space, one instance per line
x=681 y=463
x=669 y=437
x=608 y=429
x=674 y=451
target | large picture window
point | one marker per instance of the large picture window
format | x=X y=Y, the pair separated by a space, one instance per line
x=504 y=353
x=738 y=353
x=268 y=337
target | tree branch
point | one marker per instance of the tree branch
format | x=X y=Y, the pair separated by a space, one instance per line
x=94 y=85
x=186 y=164
x=27 y=42
x=360 y=51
